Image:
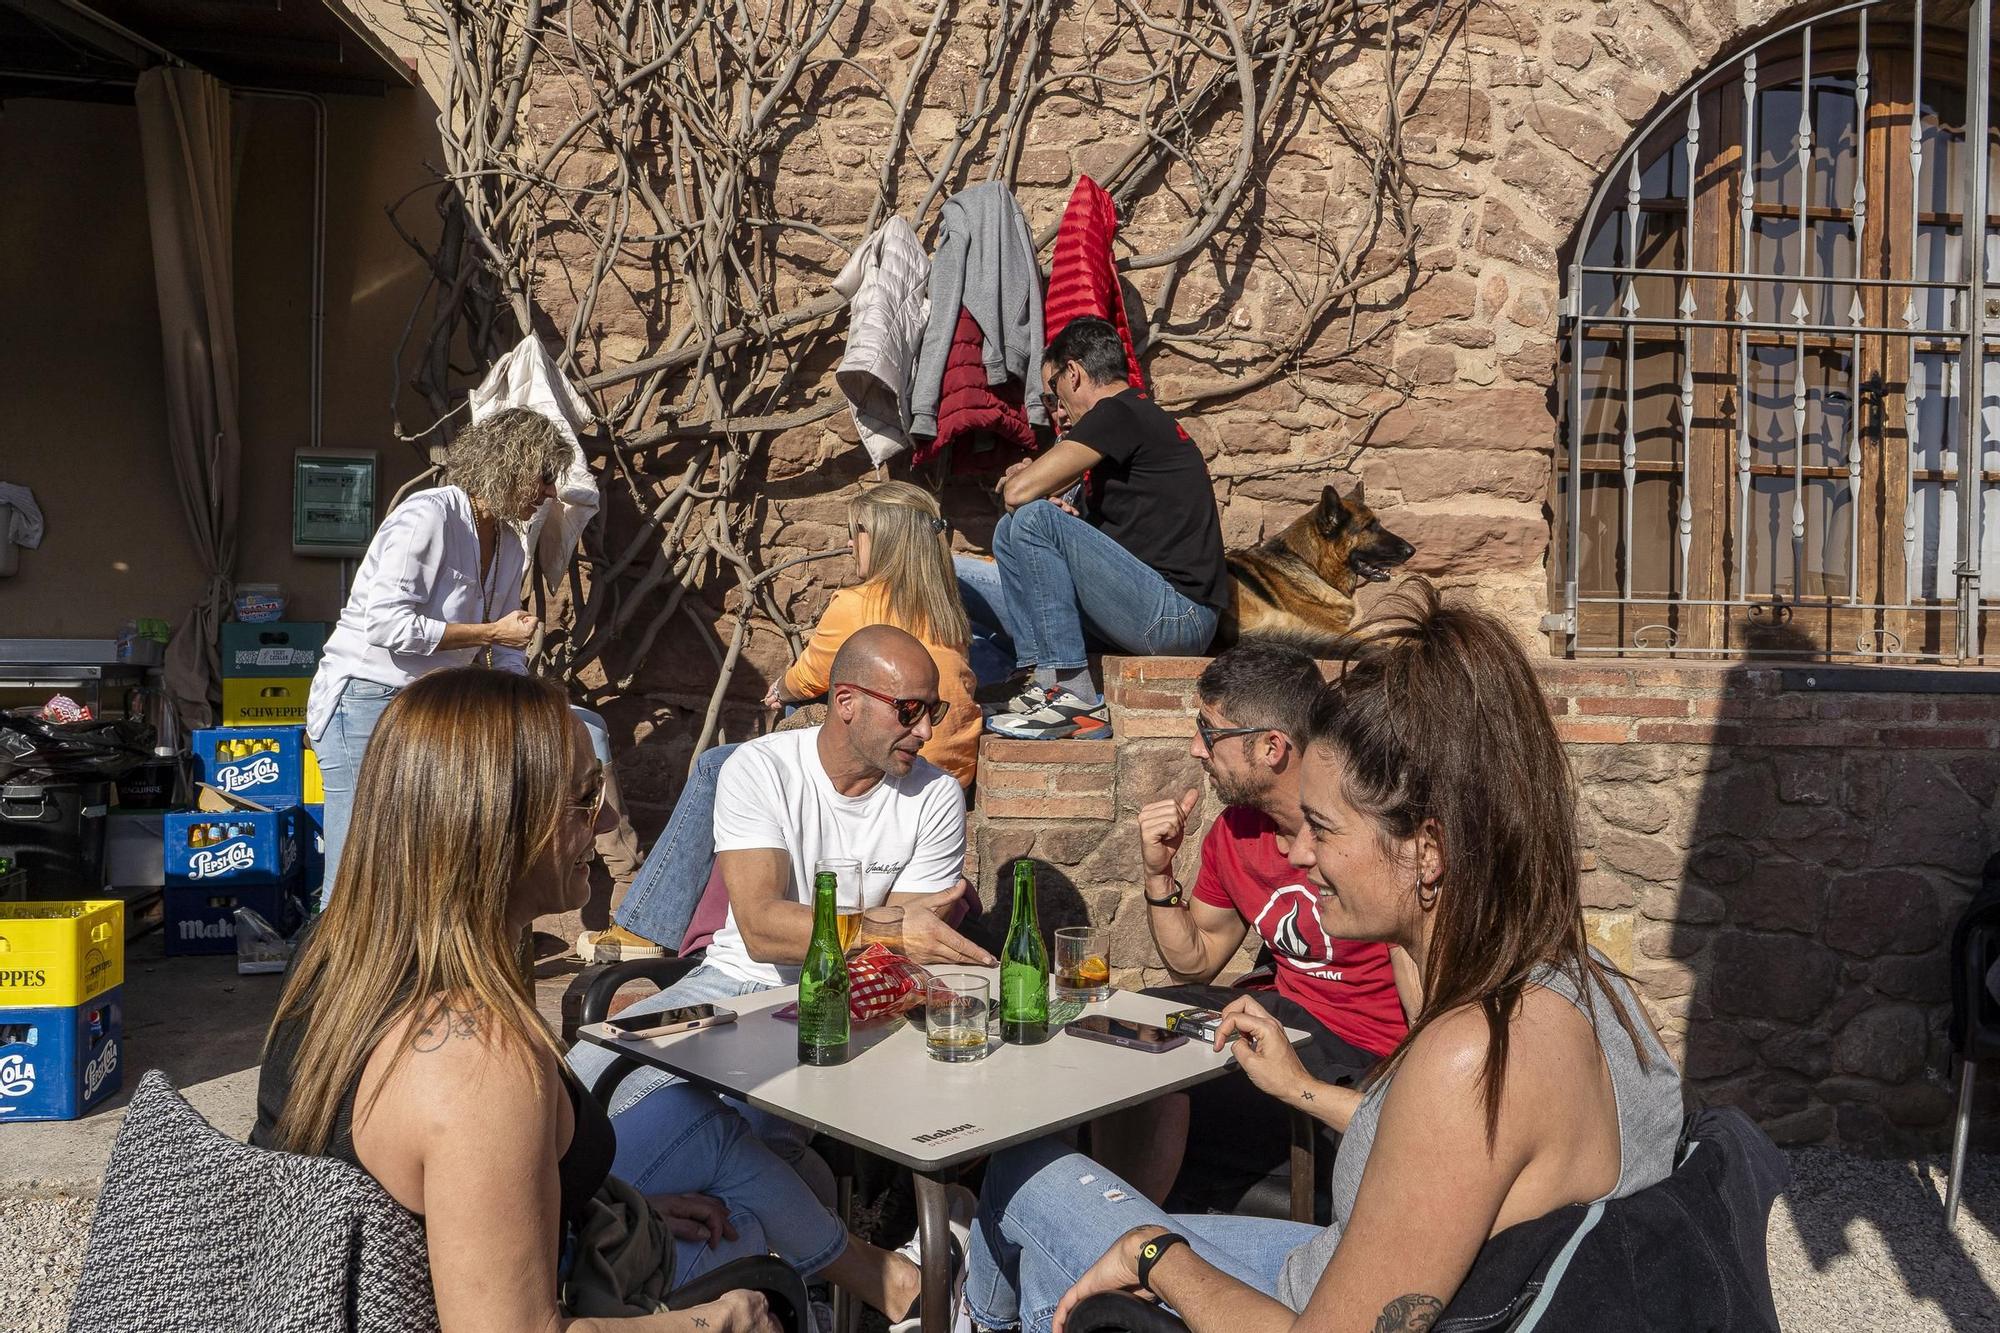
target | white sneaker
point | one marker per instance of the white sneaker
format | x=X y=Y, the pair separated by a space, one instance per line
x=960 y=1205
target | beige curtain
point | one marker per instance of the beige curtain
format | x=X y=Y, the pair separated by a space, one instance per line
x=184 y=135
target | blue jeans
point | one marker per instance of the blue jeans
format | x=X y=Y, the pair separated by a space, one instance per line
x=1062 y=579
x=355 y=714
x=788 y=1140
x=991 y=653
x=664 y=895
x=1044 y=1220
x=679 y=1139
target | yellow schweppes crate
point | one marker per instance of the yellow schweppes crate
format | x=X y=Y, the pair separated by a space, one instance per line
x=265 y=701
x=315 y=785
x=60 y=953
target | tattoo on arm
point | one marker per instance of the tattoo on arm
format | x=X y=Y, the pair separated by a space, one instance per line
x=445 y=1024
x=701 y=1323
x=1307 y=1096
x=1411 y=1313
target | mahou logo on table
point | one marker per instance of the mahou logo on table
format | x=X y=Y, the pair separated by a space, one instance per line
x=221 y=860
x=242 y=777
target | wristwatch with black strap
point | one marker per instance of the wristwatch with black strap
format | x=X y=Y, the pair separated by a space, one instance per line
x=1150 y=1252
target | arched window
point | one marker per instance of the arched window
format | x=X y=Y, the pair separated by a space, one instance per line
x=1765 y=339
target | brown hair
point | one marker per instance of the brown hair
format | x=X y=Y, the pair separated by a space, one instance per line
x=1437 y=718
x=461 y=789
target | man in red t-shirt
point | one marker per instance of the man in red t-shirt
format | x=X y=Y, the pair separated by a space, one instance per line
x=1204 y=1148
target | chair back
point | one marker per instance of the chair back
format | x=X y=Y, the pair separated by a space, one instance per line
x=195 y=1231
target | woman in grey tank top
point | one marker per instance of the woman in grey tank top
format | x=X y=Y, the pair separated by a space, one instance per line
x=1439 y=816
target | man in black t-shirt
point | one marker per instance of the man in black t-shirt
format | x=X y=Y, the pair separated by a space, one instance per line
x=1139 y=569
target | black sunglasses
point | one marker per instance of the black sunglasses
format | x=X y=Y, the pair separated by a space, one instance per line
x=909 y=710
x=1210 y=735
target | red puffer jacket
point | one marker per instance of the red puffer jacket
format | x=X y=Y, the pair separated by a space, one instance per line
x=1082 y=278
x=986 y=421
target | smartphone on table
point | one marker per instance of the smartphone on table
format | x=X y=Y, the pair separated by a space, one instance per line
x=1124 y=1032
x=666 y=1022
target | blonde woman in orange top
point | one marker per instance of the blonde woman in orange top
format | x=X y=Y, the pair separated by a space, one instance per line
x=904 y=555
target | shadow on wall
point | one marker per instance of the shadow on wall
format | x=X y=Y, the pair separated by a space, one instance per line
x=1811 y=930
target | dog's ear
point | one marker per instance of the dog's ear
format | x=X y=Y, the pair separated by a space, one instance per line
x=1333 y=512
x=1355 y=499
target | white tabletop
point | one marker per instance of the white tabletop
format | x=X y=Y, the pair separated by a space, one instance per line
x=892 y=1099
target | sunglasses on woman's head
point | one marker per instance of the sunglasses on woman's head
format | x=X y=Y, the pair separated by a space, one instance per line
x=909 y=710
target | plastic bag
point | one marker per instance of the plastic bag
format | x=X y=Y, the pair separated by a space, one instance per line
x=259 y=945
x=34 y=749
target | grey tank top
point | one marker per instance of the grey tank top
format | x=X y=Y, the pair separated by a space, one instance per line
x=1649 y=1125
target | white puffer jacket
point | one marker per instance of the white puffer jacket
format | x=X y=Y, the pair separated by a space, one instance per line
x=887 y=286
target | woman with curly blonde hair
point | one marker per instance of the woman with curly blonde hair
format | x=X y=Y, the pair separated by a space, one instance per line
x=439 y=587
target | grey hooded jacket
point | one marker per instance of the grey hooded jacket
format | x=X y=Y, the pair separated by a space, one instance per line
x=985 y=262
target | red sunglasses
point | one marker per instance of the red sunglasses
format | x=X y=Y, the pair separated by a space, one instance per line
x=908 y=710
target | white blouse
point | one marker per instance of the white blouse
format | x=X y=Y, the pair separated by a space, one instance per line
x=421 y=573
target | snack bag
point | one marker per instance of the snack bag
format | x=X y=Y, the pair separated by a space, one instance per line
x=882 y=984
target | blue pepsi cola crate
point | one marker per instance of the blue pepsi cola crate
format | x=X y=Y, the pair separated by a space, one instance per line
x=202 y=919
x=262 y=764
x=235 y=847
x=57 y=1062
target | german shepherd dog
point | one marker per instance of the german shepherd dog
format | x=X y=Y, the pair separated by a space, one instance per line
x=1299 y=585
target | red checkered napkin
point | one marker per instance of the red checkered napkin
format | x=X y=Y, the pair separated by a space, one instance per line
x=881 y=984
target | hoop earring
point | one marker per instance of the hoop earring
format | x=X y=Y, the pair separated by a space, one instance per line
x=1426 y=900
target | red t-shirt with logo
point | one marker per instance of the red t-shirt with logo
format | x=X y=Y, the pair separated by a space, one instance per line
x=1347 y=985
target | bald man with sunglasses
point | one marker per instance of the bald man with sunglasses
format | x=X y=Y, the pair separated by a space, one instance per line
x=856 y=788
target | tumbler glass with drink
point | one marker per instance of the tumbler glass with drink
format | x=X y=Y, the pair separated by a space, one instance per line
x=1083 y=967
x=955 y=1022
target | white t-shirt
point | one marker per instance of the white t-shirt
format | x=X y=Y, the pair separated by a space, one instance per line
x=908 y=833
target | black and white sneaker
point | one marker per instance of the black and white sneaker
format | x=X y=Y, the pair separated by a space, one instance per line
x=1058 y=715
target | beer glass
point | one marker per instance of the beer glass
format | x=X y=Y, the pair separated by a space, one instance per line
x=883 y=926
x=848 y=918
x=957 y=1004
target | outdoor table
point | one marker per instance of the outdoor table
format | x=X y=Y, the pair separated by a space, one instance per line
x=891 y=1099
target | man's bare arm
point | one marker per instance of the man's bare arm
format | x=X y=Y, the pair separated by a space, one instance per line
x=776 y=928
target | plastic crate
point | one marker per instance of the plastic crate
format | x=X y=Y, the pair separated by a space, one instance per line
x=273 y=648
x=262 y=764
x=312 y=848
x=59 y=1061
x=60 y=954
x=265 y=701
x=236 y=847
x=202 y=920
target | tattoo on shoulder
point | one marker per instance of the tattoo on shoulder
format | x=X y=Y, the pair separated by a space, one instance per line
x=1412 y=1313
x=445 y=1023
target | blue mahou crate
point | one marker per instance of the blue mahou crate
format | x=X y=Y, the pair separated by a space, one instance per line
x=202 y=919
x=57 y=1062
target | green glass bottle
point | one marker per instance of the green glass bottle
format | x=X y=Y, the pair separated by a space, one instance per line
x=1024 y=967
x=823 y=981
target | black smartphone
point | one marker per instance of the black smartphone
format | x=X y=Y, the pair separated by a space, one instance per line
x=666 y=1022
x=1125 y=1032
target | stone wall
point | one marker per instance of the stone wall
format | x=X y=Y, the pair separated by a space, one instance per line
x=1775 y=854
x=1514 y=108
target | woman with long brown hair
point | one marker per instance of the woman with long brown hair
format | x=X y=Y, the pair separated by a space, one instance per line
x=407 y=1043
x=1440 y=816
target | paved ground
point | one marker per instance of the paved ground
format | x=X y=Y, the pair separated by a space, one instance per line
x=1857 y=1243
